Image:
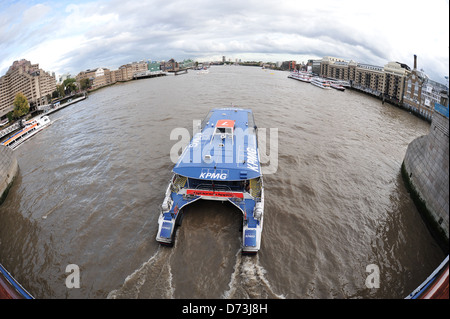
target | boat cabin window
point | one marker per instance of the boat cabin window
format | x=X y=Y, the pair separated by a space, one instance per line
x=224 y=130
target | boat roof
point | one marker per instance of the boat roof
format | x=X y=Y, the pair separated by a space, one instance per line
x=226 y=148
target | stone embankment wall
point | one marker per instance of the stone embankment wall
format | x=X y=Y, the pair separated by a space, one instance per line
x=425 y=172
x=8 y=170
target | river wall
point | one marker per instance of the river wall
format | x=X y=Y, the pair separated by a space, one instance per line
x=425 y=172
x=8 y=170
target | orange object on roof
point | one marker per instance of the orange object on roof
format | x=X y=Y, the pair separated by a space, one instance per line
x=225 y=123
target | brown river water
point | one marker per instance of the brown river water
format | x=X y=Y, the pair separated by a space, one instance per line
x=90 y=186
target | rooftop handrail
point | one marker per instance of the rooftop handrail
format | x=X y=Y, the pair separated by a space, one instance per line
x=215 y=188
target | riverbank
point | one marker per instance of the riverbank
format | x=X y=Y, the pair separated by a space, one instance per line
x=8 y=171
x=58 y=107
x=425 y=172
x=433 y=226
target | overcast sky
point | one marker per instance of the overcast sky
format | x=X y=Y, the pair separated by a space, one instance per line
x=71 y=36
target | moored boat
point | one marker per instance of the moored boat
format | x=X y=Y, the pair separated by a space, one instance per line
x=300 y=76
x=320 y=82
x=222 y=164
x=344 y=83
x=31 y=128
x=203 y=70
x=337 y=86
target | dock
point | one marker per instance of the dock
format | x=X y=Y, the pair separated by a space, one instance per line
x=50 y=108
x=148 y=74
x=47 y=109
x=181 y=71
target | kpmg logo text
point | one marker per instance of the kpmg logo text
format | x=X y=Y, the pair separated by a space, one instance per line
x=212 y=174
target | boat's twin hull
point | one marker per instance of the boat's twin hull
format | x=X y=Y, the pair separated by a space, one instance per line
x=251 y=232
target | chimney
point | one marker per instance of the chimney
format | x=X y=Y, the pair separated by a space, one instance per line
x=415 y=61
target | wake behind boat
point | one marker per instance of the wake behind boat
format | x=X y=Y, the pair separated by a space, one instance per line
x=221 y=163
x=32 y=127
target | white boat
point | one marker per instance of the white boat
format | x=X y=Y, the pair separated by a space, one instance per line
x=220 y=164
x=322 y=83
x=32 y=127
x=336 y=85
x=203 y=70
x=344 y=83
x=300 y=76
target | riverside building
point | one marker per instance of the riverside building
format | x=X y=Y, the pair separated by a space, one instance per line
x=23 y=76
x=394 y=82
x=103 y=76
x=421 y=93
x=97 y=77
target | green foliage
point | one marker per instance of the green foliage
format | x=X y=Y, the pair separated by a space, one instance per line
x=85 y=84
x=55 y=93
x=60 y=89
x=21 y=106
x=69 y=86
x=10 y=116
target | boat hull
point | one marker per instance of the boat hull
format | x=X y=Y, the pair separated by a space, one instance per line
x=321 y=86
x=339 y=88
x=251 y=227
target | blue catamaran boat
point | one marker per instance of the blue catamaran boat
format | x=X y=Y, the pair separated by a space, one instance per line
x=221 y=163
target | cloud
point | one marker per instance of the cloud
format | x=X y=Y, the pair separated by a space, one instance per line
x=88 y=34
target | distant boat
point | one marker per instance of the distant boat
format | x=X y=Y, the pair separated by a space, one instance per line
x=32 y=127
x=300 y=76
x=336 y=85
x=322 y=83
x=203 y=71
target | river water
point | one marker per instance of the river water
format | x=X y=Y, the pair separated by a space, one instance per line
x=90 y=186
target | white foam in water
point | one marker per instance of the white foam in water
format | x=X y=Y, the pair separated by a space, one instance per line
x=248 y=280
x=171 y=288
x=117 y=292
x=134 y=282
x=230 y=292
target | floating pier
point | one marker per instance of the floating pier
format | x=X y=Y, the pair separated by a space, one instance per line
x=148 y=74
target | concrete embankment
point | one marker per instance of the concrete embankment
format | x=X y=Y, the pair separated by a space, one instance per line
x=425 y=172
x=8 y=170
